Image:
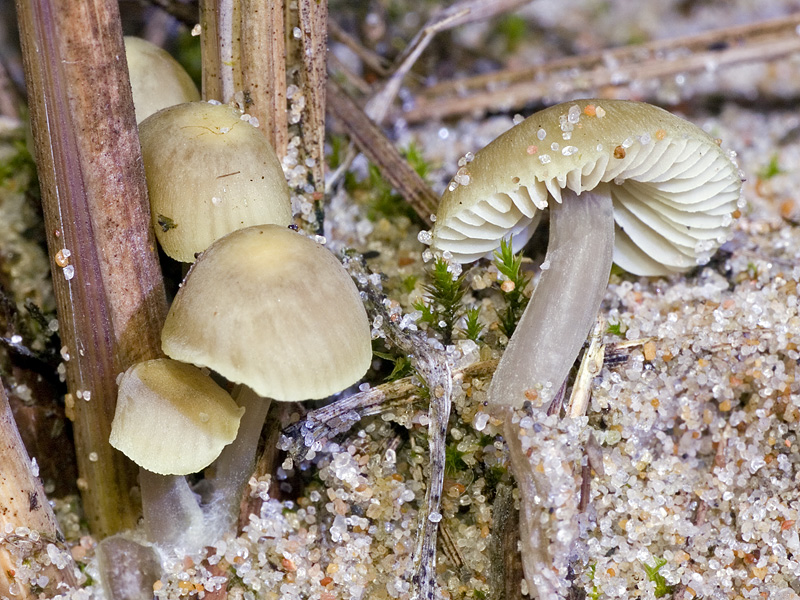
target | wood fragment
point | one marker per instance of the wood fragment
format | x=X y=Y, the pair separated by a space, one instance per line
x=381 y=152
x=110 y=297
x=313 y=16
x=607 y=69
x=24 y=508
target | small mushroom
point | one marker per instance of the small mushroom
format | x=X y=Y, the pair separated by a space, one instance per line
x=623 y=180
x=157 y=79
x=172 y=419
x=209 y=172
x=269 y=308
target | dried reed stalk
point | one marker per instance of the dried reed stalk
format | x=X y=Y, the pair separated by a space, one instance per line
x=107 y=280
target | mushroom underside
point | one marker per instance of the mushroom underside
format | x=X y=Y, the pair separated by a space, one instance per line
x=673 y=200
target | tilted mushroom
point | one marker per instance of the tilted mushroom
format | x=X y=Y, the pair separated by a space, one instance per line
x=157 y=79
x=172 y=419
x=624 y=181
x=209 y=172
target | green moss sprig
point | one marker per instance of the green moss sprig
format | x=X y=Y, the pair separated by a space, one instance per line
x=510 y=265
x=653 y=574
x=442 y=306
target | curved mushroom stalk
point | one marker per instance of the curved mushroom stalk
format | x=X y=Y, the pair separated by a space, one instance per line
x=564 y=305
x=537 y=361
x=235 y=464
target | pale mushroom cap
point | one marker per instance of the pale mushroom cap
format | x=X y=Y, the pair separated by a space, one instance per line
x=268 y=307
x=673 y=188
x=157 y=79
x=172 y=419
x=209 y=173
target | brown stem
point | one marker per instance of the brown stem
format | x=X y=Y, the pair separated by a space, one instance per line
x=263 y=55
x=109 y=290
x=608 y=68
x=23 y=505
x=313 y=16
x=244 y=59
x=378 y=149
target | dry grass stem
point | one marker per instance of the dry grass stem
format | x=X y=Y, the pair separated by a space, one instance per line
x=313 y=17
x=25 y=509
x=244 y=61
x=107 y=279
x=608 y=68
x=455 y=15
x=370 y=59
x=369 y=138
x=264 y=68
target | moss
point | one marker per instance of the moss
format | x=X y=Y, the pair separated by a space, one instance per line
x=510 y=265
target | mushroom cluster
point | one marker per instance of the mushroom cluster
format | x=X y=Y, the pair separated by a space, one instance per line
x=263 y=306
x=624 y=182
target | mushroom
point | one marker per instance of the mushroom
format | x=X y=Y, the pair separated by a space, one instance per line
x=625 y=182
x=157 y=79
x=270 y=309
x=209 y=171
x=171 y=418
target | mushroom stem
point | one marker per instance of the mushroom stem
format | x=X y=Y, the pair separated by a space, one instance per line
x=564 y=305
x=538 y=359
x=235 y=464
x=172 y=513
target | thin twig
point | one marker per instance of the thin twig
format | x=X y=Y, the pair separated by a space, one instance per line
x=374 y=61
x=380 y=151
x=323 y=424
x=108 y=286
x=459 y=13
x=608 y=68
x=432 y=367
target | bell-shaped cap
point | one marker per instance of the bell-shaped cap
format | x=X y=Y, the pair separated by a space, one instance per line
x=674 y=190
x=157 y=79
x=274 y=310
x=209 y=173
x=171 y=418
